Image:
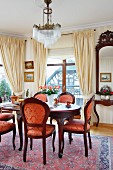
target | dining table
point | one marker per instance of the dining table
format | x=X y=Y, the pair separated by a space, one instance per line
x=59 y=112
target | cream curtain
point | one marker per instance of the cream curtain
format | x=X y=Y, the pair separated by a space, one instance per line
x=40 y=59
x=84 y=57
x=13 y=52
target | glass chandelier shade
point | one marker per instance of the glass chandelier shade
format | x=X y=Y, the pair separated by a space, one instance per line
x=49 y=33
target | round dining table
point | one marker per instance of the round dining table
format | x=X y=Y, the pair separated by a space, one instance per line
x=59 y=112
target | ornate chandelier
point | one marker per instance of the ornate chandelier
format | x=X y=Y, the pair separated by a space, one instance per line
x=48 y=33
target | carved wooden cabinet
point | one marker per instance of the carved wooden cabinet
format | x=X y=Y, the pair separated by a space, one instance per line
x=105 y=40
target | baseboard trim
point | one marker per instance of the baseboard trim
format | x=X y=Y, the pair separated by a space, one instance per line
x=103 y=124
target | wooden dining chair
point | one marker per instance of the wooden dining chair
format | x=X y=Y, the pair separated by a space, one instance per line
x=35 y=114
x=6 y=115
x=41 y=96
x=80 y=126
x=6 y=127
x=63 y=98
x=66 y=96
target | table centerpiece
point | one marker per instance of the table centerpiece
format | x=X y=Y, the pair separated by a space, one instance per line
x=51 y=92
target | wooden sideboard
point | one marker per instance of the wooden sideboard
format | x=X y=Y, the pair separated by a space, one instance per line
x=102 y=102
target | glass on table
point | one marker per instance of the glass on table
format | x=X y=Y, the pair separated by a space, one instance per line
x=68 y=105
x=55 y=101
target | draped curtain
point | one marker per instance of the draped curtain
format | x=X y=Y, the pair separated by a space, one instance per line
x=84 y=57
x=13 y=52
x=40 y=59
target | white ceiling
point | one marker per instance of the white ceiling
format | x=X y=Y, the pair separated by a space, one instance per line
x=17 y=17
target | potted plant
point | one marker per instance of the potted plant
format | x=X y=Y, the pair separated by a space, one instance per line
x=105 y=92
x=50 y=91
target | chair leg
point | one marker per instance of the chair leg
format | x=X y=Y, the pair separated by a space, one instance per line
x=31 y=143
x=0 y=138
x=53 y=141
x=70 y=137
x=25 y=148
x=90 y=143
x=85 y=145
x=50 y=120
x=14 y=134
x=44 y=150
x=63 y=142
x=13 y=119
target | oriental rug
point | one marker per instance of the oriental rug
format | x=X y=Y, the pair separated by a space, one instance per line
x=100 y=157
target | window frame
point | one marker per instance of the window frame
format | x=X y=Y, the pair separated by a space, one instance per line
x=64 y=65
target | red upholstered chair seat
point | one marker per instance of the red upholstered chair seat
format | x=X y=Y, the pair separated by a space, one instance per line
x=6 y=116
x=37 y=131
x=75 y=125
x=6 y=126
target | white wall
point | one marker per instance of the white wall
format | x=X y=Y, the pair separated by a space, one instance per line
x=29 y=57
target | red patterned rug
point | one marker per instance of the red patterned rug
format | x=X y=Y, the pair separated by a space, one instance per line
x=100 y=157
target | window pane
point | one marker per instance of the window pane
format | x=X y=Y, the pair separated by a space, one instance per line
x=54 y=61
x=70 y=60
x=72 y=84
x=5 y=91
x=54 y=76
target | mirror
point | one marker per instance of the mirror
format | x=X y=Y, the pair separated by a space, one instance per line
x=104 y=60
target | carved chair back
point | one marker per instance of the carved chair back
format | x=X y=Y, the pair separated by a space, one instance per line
x=40 y=96
x=35 y=114
x=87 y=111
x=66 y=96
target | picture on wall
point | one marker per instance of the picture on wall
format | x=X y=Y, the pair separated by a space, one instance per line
x=105 y=77
x=29 y=65
x=28 y=76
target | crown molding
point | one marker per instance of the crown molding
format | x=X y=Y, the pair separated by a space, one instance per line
x=65 y=29
x=13 y=34
x=86 y=26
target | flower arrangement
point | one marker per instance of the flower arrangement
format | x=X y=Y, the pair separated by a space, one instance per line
x=49 y=89
x=105 y=90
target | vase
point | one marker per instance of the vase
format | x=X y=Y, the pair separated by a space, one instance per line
x=50 y=99
x=103 y=97
x=108 y=97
